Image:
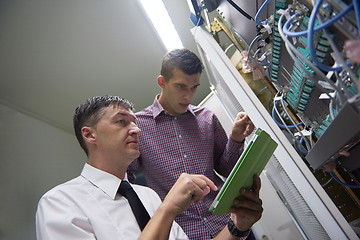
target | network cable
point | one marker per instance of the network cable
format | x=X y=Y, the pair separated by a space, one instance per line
x=328 y=23
x=245 y=14
x=288 y=127
x=279 y=124
x=259 y=12
x=342 y=183
x=294 y=124
x=357 y=12
x=294 y=52
x=301 y=147
x=317 y=28
x=340 y=59
x=228 y=47
x=293 y=57
x=253 y=59
x=310 y=38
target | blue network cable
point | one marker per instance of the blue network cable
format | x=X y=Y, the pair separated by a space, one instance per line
x=316 y=29
x=342 y=183
x=302 y=149
x=310 y=38
x=311 y=31
x=259 y=12
x=279 y=124
x=357 y=12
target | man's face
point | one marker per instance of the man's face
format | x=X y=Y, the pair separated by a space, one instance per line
x=116 y=134
x=178 y=92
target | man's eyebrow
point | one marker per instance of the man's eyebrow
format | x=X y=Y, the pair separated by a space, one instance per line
x=120 y=115
x=124 y=114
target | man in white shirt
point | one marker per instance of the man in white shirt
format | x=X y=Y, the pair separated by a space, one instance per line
x=89 y=207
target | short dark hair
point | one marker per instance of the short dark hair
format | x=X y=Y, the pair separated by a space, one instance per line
x=182 y=59
x=90 y=112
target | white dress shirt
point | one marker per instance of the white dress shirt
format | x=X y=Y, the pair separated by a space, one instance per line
x=89 y=207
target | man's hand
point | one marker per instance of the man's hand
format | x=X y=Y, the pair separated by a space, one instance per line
x=187 y=189
x=242 y=127
x=247 y=209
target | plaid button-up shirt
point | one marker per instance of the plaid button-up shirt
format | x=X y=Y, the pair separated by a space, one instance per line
x=193 y=142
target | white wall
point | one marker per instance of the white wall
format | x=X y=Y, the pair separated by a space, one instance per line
x=35 y=157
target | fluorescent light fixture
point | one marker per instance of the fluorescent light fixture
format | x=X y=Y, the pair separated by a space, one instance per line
x=161 y=20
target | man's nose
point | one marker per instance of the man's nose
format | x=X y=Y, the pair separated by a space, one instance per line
x=134 y=129
x=188 y=96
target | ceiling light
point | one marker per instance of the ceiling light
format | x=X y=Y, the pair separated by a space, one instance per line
x=161 y=21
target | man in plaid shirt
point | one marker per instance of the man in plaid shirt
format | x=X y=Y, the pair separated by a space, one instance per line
x=178 y=137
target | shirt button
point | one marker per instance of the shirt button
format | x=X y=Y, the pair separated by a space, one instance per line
x=205 y=219
x=179 y=136
x=185 y=155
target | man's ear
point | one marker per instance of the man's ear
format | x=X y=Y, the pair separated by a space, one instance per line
x=161 y=81
x=88 y=134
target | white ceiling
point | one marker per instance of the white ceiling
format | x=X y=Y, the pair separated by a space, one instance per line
x=55 y=54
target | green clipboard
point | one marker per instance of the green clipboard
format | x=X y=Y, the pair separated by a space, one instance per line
x=252 y=161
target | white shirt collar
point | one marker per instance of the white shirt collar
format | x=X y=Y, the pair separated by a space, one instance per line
x=107 y=182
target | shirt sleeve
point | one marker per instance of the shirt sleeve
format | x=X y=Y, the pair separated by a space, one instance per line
x=56 y=219
x=226 y=151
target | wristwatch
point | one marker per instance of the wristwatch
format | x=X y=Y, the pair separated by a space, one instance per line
x=234 y=231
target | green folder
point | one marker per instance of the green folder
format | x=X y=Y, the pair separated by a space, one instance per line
x=252 y=161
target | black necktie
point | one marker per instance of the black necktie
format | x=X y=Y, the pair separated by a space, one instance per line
x=141 y=215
